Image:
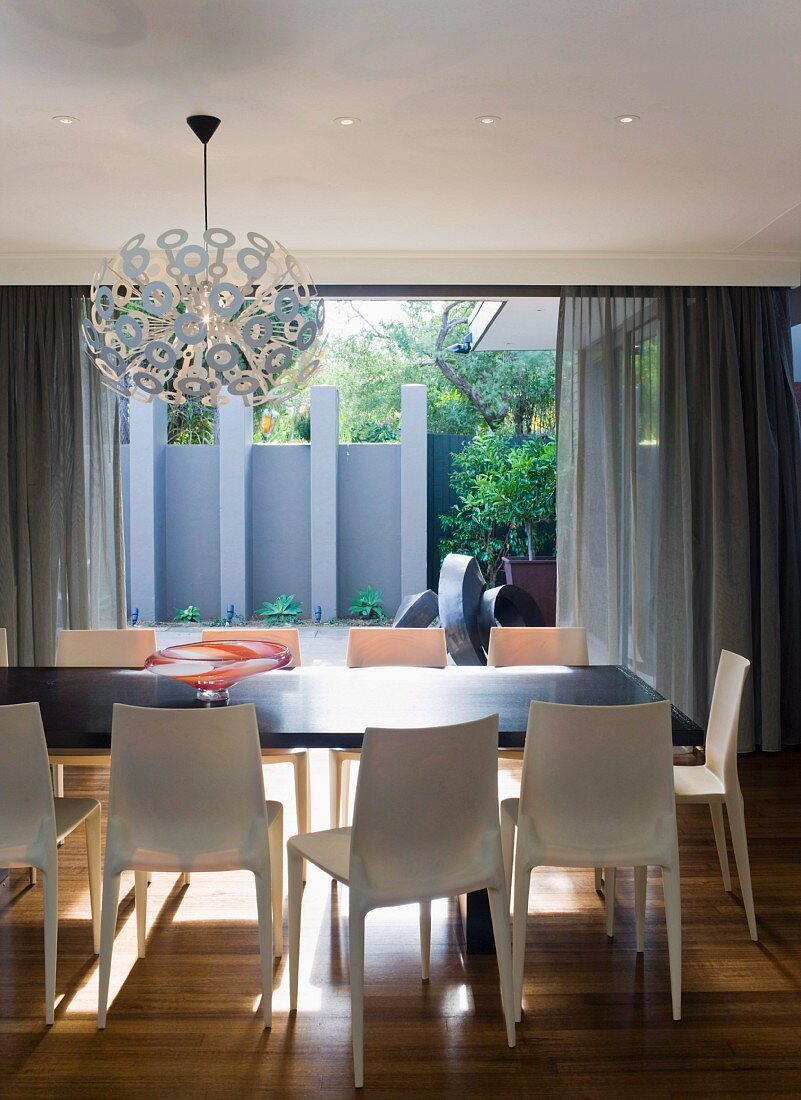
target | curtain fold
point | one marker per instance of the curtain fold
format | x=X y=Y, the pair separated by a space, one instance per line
x=679 y=517
x=60 y=513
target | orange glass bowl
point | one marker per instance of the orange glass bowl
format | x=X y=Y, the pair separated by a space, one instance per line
x=213 y=667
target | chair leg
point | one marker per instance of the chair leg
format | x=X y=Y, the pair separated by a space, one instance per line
x=108 y=926
x=275 y=837
x=425 y=939
x=719 y=829
x=57 y=773
x=519 y=920
x=610 y=879
x=739 y=842
x=345 y=793
x=640 y=887
x=92 y=827
x=672 y=893
x=500 y=928
x=294 y=901
x=508 y=825
x=302 y=796
x=335 y=786
x=599 y=880
x=50 y=898
x=356 y=953
x=265 y=915
x=32 y=875
x=140 y=905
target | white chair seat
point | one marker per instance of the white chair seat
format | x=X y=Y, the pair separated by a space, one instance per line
x=697 y=784
x=566 y=855
x=328 y=849
x=70 y=812
x=143 y=858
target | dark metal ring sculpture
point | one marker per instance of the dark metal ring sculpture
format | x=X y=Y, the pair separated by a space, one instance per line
x=507 y=605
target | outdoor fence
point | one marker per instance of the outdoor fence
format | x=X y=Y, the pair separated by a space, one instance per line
x=238 y=523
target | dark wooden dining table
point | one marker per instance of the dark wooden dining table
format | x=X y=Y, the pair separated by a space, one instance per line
x=329 y=707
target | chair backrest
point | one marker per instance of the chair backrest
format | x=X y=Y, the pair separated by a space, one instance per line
x=414 y=647
x=537 y=645
x=27 y=812
x=724 y=717
x=3 y=648
x=598 y=777
x=105 y=648
x=187 y=781
x=285 y=635
x=426 y=809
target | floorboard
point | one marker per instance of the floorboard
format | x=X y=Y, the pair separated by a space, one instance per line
x=185 y=1021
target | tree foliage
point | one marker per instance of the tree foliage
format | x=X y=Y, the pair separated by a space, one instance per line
x=509 y=390
x=507 y=490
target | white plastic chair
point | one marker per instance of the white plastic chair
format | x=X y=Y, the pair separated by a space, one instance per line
x=298 y=758
x=597 y=791
x=32 y=823
x=537 y=645
x=105 y=648
x=717 y=783
x=3 y=648
x=186 y=793
x=380 y=647
x=422 y=829
x=100 y=649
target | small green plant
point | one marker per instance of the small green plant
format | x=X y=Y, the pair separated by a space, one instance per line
x=190 y=614
x=282 y=609
x=191 y=422
x=367 y=604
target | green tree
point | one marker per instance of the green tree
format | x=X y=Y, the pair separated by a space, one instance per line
x=501 y=390
x=507 y=499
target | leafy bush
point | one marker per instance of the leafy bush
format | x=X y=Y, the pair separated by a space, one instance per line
x=367 y=604
x=522 y=492
x=507 y=507
x=190 y=614
x=282 y=609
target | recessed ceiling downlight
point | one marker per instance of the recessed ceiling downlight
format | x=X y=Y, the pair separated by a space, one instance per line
x=65 y=120
x=487 y=120
x=346 y=120
x=626 y=119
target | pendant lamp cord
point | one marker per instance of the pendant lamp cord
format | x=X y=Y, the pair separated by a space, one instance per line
x=205 y=188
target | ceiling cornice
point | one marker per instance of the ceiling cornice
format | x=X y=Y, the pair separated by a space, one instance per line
x=387 y=266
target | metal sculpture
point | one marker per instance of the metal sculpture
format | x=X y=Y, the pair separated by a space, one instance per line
x=467 y=612
x=419 y=610
x=507 y=605
x=461 y=583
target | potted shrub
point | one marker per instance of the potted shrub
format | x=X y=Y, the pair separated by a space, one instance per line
x=524 y=497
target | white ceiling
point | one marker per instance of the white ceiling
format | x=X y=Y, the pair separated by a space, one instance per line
x=713 y=168
x=520 y=324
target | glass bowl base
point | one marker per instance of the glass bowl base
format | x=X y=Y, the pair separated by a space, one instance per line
x=208 y=695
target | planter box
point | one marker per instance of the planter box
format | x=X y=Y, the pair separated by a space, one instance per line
x=538 y=578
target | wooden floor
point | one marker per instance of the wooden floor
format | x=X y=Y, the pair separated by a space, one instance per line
x=184 y=1022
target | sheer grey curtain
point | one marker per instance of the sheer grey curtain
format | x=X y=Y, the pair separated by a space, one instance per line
x=679 y=516
x=61 y=549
